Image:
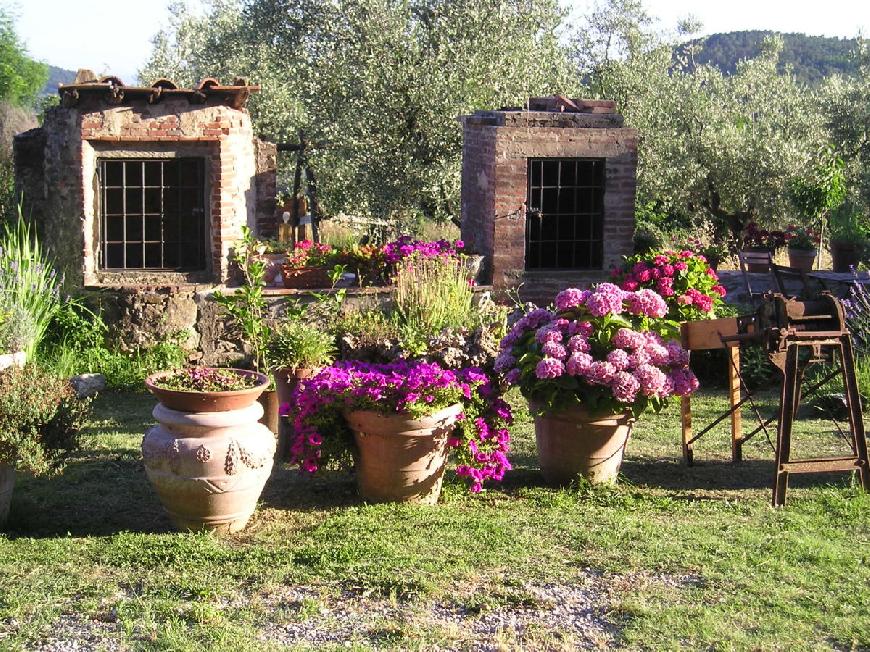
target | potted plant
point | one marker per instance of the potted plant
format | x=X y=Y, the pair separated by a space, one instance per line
x=849 y=236
x=308 y=265
x=589 y=368
x=802 y=247
x=40 y=423
x=756 y=239
x=688 y=284
x=400 y=419
x=298 y=349
x=209 y=457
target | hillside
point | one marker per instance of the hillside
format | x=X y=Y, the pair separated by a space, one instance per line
x=812 y=57
x=57 y=76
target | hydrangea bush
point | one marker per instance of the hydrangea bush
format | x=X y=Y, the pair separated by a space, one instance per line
x=685 y=280
x=606 y=349
x=480 y=442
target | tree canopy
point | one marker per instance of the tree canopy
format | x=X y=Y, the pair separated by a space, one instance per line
x=21 y=78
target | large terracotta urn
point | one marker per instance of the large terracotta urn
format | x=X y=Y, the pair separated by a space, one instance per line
x=572 y=442
x=209 y=466
x=401 y=459
x=7 y=484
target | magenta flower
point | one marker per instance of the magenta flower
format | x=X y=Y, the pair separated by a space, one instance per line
x=571 y=298
x=600 y=373
x=549 y=368
x=647 y=303
x=578 y=344
x=554 y=350
x=578 y=364
x=619 y=359
x=605 y=299
x=624 y=387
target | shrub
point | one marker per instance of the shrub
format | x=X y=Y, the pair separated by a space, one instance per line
x=300 y=345
x=16 y=328
x=40 y=419
x=432 y=293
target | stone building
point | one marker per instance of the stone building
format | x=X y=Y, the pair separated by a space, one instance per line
x=548 y=193
x=140 y=192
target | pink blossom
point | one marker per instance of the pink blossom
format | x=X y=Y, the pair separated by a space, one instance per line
x=639 y=358
x=548 y=333
x=605 y=299
x=624 y=387
x=680 y=266
x=600 y=373
x=644 y=276
x=571 y=298
x=651 y=379
x=647 y=303
x=579 y=363
x=630 y=286
x=721 y=291
x=684 y=300
x=619 y=359
x=583 y=328
x=658 y=355
x=677 y=355
x=578 y=344
x=549 y=368
x=668 y=270
x=660 y=260
x=684 y=381
x=625 y=338
x=554 y=350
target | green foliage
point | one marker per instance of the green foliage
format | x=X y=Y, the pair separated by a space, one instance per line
x=40 y=419
x=431 y=294
x=755 y=367
x=297 y=344
x=16 y=329
x=381 y=80
x=823 y=190
x=28 y=281
x=850 y=223
x=648 y=237
x=21 y=78
x=246 y=304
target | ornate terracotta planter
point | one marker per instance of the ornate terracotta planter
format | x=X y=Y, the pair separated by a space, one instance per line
x=572 y=442
x=185 y=401
x=802 y=259
x=306 y=278
x=401 y=459
x=209 y=468
x=7 y=484
x=286 y=380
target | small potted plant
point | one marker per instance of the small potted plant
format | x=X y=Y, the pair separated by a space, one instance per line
x=308 y=265
x=756 y=239
x=802 y=247
x=850 y=228
x=589 y=368
x=209 y=457
x=297 y=350
x=400 y=420
x=40 y=424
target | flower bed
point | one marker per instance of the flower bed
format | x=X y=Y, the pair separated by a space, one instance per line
x=480 y=442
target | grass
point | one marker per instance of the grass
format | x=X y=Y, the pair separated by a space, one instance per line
x=673 y=557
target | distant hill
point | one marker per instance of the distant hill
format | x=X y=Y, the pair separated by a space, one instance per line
x=57 y=76
x=812 y=57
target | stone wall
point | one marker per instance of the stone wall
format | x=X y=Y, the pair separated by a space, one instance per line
x=496 y=149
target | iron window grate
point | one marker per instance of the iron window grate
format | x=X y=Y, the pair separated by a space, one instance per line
x=565 y=222
x=152 y=214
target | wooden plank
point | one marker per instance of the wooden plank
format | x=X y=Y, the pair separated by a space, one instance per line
x=822 y=465
x=707 y=333
x=686 y=425
x=734 y=399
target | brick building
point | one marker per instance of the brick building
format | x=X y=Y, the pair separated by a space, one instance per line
x=548 y=193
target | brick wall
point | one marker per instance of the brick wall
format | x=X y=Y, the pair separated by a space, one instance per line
x=496 y=147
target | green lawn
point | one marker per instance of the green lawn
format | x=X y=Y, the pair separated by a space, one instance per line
x=674 y=557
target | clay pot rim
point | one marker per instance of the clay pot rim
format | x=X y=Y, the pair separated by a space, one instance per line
x=258 y=389
x=301 y=373
x=413 y=423
x=626 y=416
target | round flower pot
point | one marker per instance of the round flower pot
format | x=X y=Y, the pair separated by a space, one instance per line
x=572 y=442
x=17 y=359
x=188 y=401
x=802 y=259
x=306 y=278
x=7 y=484
x=286 y=380
x=401 y=459
x=845 y=254
x=209 y=468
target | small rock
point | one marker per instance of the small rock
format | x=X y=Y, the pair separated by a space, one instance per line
x=88 y=384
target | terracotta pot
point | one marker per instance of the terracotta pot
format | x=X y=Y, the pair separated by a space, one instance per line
x=401 y=459
x=188 y=401
x=7 y=484
x=306 y=278
x=802 y=259
x=571 y=442
x=209 y=468
x=269 y=401
x=286 y=380
x=845 y=254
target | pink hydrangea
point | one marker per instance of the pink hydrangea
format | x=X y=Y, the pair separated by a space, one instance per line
x=583 y=328
x=504 y=361
x=554 y=350
x=600 y=373
x=548 y=333
x=652 y=380
x=665 y=287
x=684 y=381
x=579 y=363
x=549 y=368
x=578 y=344
x=605 y=299
x=626 y=338
x=678 y=356
x=619 y=359
x=639 y=358
x=624 y=387
x=630 y=286
x=647 y=303
x=721 y=291
x=658 y=355
x=571 y=298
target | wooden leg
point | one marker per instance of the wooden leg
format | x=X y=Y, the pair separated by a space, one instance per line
x=686 y=422
x=856 y=421
x=786 y=418
x=734 y=397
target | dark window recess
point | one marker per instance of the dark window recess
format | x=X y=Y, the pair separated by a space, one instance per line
x=152 y=214
x=565 y=222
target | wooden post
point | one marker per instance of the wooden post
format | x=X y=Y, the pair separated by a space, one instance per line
x=686 y=423
x=734 y=397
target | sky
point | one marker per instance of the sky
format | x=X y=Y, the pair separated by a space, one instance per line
x=114 y=36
